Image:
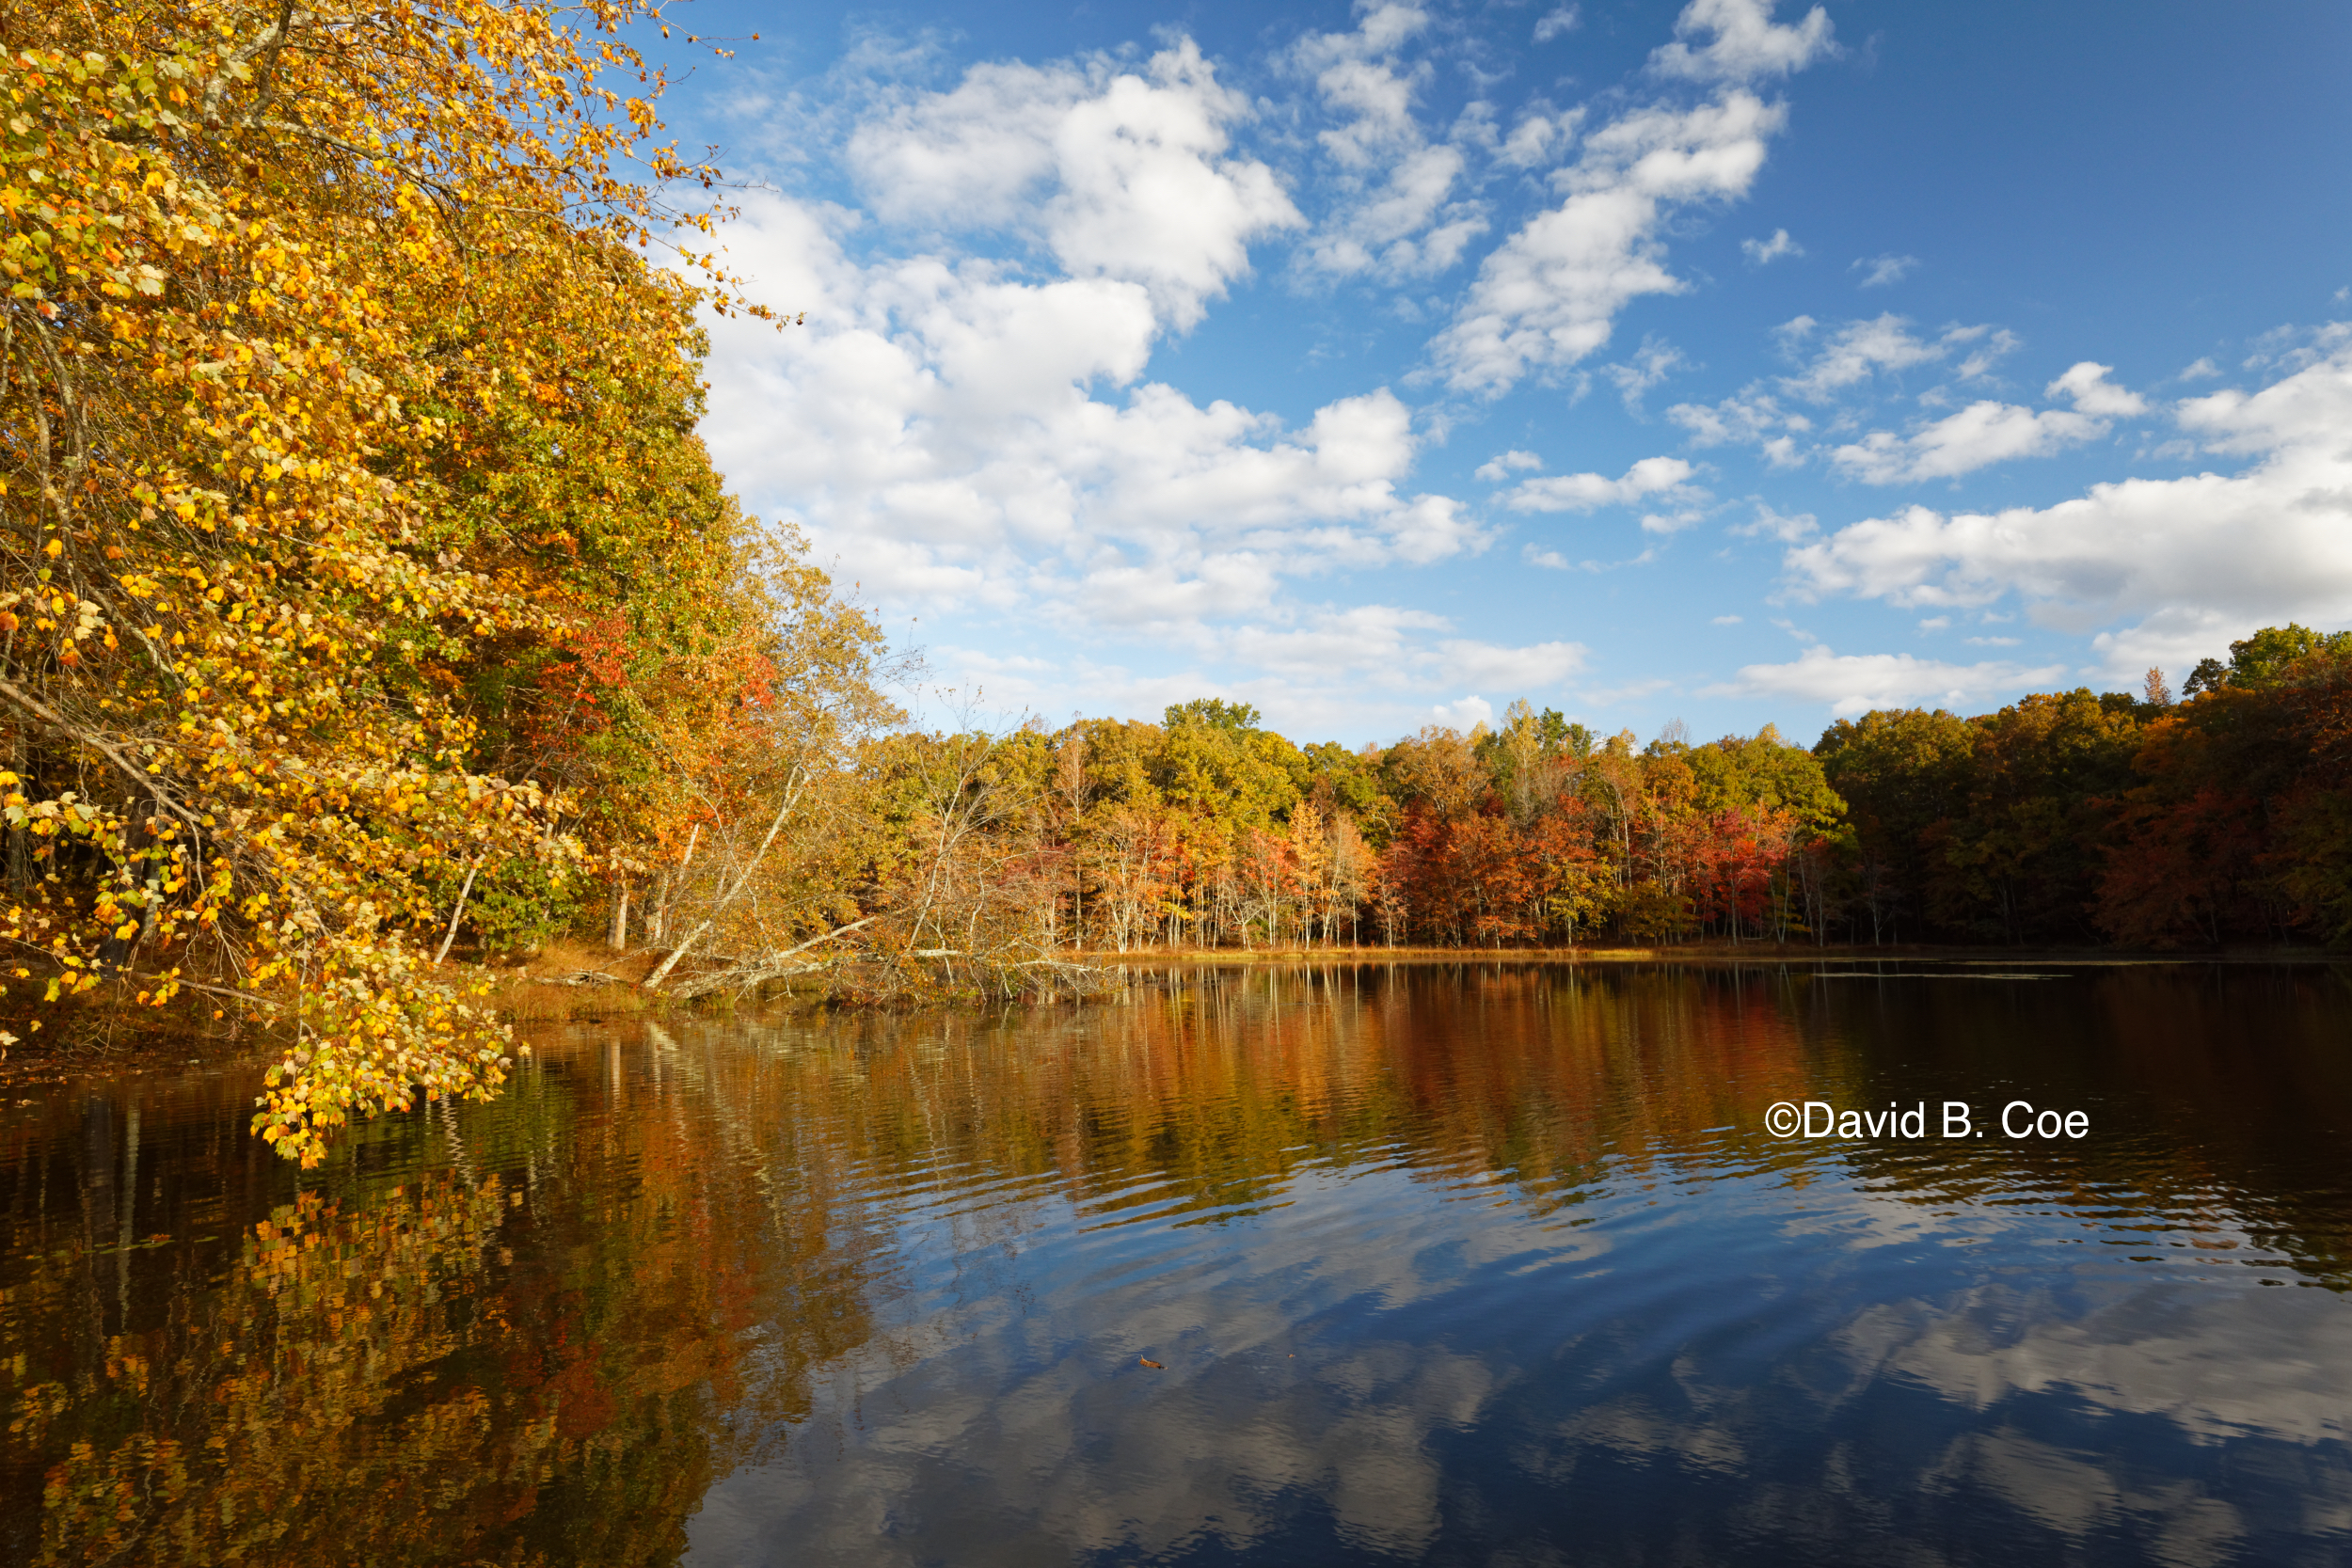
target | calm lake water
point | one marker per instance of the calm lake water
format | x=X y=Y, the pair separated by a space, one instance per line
x=1454 y=1264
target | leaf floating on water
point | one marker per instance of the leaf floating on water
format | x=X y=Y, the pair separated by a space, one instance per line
x=1149 y=1362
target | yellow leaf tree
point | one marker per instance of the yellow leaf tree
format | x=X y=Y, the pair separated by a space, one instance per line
x=349 y=436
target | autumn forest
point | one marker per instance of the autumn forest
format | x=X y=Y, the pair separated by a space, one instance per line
x=372 y=611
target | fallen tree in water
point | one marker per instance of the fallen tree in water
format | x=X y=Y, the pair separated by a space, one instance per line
x=928 y=974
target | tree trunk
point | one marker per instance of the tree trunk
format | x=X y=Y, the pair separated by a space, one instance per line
x=673 y=887
x=791 y=798
x=20 y=842
x=458 y=913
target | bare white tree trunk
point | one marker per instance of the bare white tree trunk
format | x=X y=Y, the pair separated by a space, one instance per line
x=456 y=913
x=791 y=798
x=672 y=882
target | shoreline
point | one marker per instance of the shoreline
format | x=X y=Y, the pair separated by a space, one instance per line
x=545 y=992
x=1712 y=953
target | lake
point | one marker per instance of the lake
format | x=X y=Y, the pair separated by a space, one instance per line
x=1443 y=1263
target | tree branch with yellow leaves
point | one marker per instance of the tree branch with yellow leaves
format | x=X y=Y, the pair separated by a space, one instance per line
x=350 y=505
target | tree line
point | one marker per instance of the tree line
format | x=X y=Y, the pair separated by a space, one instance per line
x=2069 y=818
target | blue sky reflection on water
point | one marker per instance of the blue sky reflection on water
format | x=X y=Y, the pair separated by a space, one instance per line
x=1705 y=1350
x=1454 y=1379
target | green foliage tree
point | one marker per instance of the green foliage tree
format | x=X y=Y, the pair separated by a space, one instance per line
x=1902 y=773
x=2264 y=658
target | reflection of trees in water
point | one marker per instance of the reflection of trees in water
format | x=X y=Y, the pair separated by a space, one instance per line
x=545 y=1362
x=1211 y=1093
x=1205 y=1098
x=2221 y=1094
x=539 y=1330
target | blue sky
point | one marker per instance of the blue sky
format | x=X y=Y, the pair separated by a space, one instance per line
x=1383 y=365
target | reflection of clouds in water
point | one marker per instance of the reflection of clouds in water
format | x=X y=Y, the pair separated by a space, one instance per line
x=2077 y=1495
x=1323 y=1357
x=1503 y=1280
x=1947 y=1216
x=1515 y=1301
x=2214 y=1365
x=1048 y=1418
x=2087 y=1422
x=1103 y=1465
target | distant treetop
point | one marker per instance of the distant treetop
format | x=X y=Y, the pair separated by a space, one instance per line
x=2264 y=658
x=1214 y=712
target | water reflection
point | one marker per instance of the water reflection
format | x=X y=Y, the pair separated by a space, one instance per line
x=1462 y=1265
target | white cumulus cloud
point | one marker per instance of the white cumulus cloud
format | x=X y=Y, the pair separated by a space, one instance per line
x=2190 y=561
x=1746 y=43
x=1651 y=476
x=1539 y=132
x=1120 y=175
x=2092 y=393
x=1768 y=524
x=1553 y=24
x=1496 y=470
x=1878 y=271
x=1396 y=650
x=1548 y=296
x=1759 y=252
x=1647 y=365
x=1855 y=683
x=1751 y=419
x=1466 y=714
x=1391 y=215
x=1859 y=350
x=937 y=429
x=1843 y=364
x=1979 y=436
